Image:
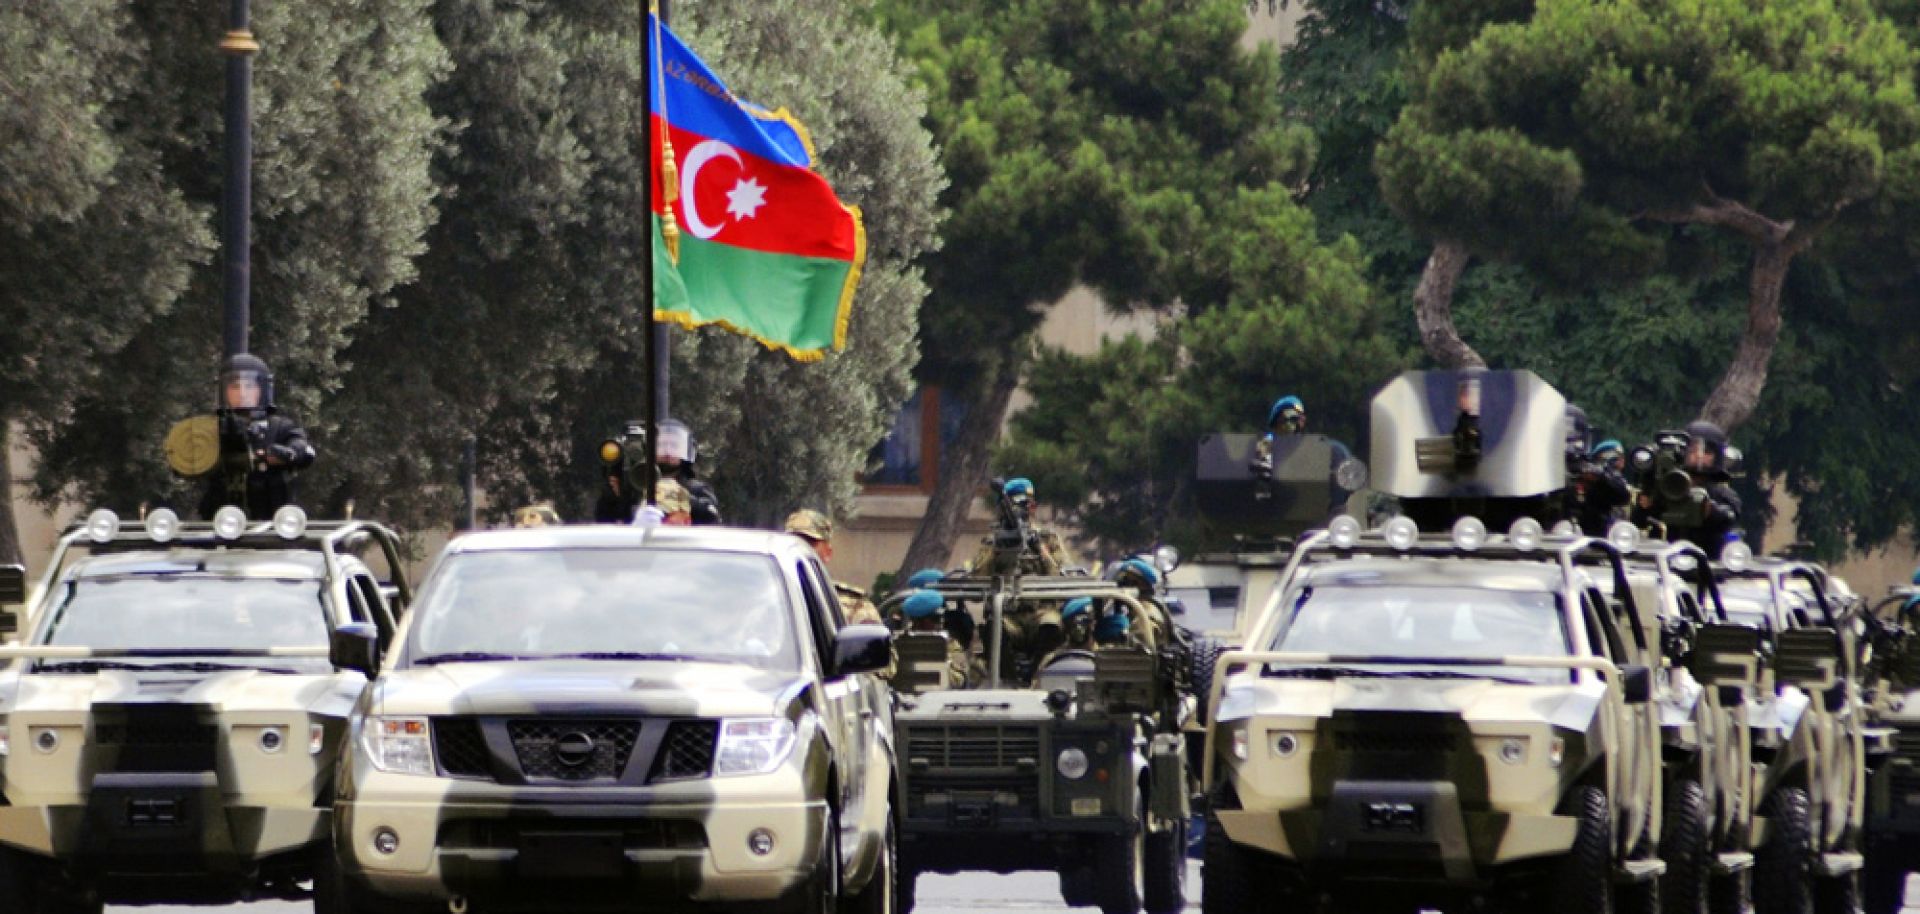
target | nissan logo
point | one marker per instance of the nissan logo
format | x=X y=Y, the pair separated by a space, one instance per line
x=573 y=749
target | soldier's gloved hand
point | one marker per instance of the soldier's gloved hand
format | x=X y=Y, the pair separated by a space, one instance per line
x=279 y=454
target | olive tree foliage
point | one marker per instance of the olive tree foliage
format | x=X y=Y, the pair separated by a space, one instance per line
x=773 y=434
x=94 y=241
x=1577 y=139
x=342 y=200
x=1088 y=142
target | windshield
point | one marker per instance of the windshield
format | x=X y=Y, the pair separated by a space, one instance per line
x=190 y=612
x=1750 y=605
x=1436 y=622
x=607 y=603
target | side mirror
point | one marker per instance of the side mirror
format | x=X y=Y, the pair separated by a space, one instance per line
x=355 y=646
x=861 y=649
x=1636 y=684
x=13 y=593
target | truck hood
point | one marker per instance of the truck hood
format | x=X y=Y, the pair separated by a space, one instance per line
x=983 y=705
x=646 y=688
x=1571 y=706
x=237 y=691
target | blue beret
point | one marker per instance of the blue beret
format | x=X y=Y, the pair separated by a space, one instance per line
x=923 y=577
x=1139 y=567
x=1113 y=626
x=1916 y=577
x=1605 y=446
x=1281 y=405
x=1076 y=606
x=1018 y=486
x=923 y=603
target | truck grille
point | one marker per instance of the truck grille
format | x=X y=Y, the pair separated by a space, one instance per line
x=461 y=748
x=687 y=750
x=973 y=747
x=1017 y=798
x=1410 y=743
x=154 y=738
x=573 y=750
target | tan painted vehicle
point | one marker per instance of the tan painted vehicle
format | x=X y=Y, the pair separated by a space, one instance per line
x=1811 y=732
x=1893 y=792
x=170 y=721
x=583 y=718
x=1419 y=721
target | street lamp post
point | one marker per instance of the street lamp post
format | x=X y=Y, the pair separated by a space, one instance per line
x=236 y=229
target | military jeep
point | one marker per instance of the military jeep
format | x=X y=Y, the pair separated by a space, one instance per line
x=1421 y=720
x=1080 y=768
x=170 y=721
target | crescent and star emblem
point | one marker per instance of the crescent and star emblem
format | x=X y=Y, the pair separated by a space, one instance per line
x=746 y=197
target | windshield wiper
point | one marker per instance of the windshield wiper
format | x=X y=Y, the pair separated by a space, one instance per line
x=95 y=666
x=202 y=666
x=465 y=657
x=1342 y=672
x=85 y=666
x=621 y=655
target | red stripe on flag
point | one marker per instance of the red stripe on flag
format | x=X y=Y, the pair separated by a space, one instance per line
x=742 y=200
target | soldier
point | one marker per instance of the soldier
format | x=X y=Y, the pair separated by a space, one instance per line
x=261 y=451
x=924 y=610
x=1144 y=580
x=1076 y=620
x=1598 y=490
x=1031 y=630
x=1042 y=552
x=1113 y=630
x=675 y=503
x=816 y=529
x=1288 y=416
x=675 y=457
x=1720 y=508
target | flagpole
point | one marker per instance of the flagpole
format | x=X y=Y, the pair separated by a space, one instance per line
x=662 y=335
x=652 y=475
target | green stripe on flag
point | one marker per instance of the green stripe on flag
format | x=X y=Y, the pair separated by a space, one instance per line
x=786 y=302
x=669 y=291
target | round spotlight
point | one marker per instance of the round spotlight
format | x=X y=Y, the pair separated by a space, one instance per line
x=760 y=842
x=1351 y=475
x=1072 y=763
x=1525 y=534
x=1513 y=750
x=46 y=741
x=1285 y=745
x=162 y=525
x=290 y=522
x=1683 y=563
x=1469 y=533
x=1343 y=532
x=1166 y=558
x=272 y=740
x=386 y=841
x=1565 y=528
x=102 y=525
x=1402 y=533
x=1624 y=536
x=229 y=522
x=1736 y=556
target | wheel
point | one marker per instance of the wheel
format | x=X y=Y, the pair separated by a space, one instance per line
x=1234 y=880
x=881 y=894
x=1837 y=894
x=909 y=881
x=1782 y=872
x=17 y=889
x=1582 y=881
x=1728 y=894
x=1687 y=849
x=1165 y=880
x=1076 y=887
x=1884 y=882
x=821 y=894
x=1119 y=872
x=1206 y=652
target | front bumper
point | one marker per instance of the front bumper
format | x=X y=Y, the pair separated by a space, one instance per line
x=680 y=842
x=168 y=824
x=1401 y=831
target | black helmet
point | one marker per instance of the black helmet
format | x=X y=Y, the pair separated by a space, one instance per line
x=1702 y=430
x=676 y=443
x=1579 y=432
x=238 y=373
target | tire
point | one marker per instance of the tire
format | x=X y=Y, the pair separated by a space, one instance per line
x=1119 y=872
x=1233 y=880
x=1884 y=881
x=1165 y=880
x=881 y=894
x=1206 y=651
x=1729 y=894
x=1687 y=849
x=1837 y=894
x=17 y=888
x=821 y=894
x=1782 y=872
x=1582 y=881
x=1076 y=887
x=909 y=882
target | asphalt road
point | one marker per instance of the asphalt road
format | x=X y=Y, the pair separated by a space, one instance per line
x=1026 y=893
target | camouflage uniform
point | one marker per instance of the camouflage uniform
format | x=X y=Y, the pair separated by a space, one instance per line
x=1024 y=624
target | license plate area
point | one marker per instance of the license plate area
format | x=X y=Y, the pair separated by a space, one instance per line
x=572 y=855
x=1394 y=818
x=155 y=812
x=973 y=810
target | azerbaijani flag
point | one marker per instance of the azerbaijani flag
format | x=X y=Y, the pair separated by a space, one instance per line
x=764 y=247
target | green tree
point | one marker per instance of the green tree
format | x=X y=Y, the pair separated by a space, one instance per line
x=1576 y=140
x=94 y=241
x=525 y=329
x=342 y=200
x=1087 y=142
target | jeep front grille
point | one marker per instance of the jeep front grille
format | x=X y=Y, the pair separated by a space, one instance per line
x=933 y=796
x=686 y=751
x=154 y=738
x=973 y=747
x=573 y=750
x=461 y=748
x=1412 y=743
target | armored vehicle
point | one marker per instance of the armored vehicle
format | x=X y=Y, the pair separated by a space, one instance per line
x=170 y=721
x=1810 y=733
x=1072 y=762
x=612 y=717
x=1419 y=718
x=1893 y=792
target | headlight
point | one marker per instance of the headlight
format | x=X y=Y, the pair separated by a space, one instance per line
x=1240 y=743
x=1072 y=764
x=400 y=745
x=1513 y=750
x=1285 y=745
x=753 y=745
x=6 y=741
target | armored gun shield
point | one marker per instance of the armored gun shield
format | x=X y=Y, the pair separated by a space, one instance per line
x=1298 y=495
x=1469 y=435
